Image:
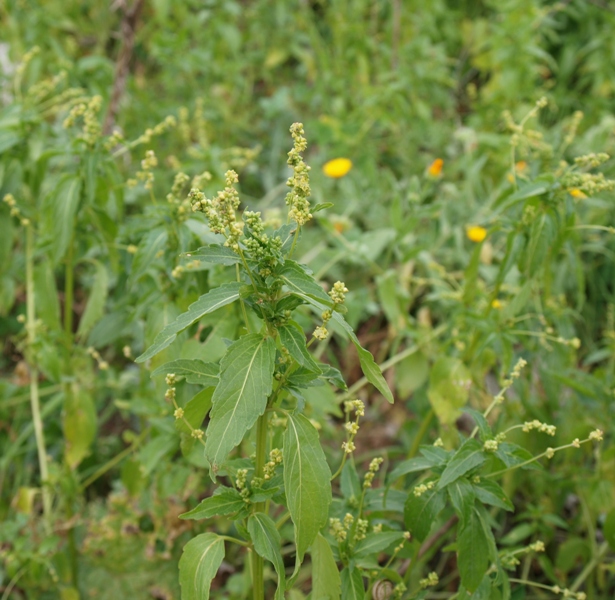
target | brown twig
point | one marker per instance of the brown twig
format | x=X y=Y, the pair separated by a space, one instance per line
x=128 y=27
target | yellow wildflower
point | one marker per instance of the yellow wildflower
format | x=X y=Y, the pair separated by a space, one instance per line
x=496 y=304
x=577 y=194
x=435 y=168
x=476 y=233
x=521 y=166
x=337 y=168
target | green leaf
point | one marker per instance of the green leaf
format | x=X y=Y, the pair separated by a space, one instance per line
x=462 y=497
x=298 y=280
x=420 y=512
x=370 y=369
x=469 y=456
x=8 y=139
x=449 y=383
x=294 y=341
x=307 y=481
x=79 y=424
x=267 y=543
x=96 y=301
x=318 y=208
x=195 y=410
x=246 y=380
x=377 y=542
x=207 y=303
x=194 y=370
x=326 y=581
x=482 y=424
x=214 y=253
x=352 y=584
x=45 y=287
x=472 y=552
x=489 y=492
x=198 y=565
x=61 y=211
x=225 y=501
x=155 y=241
x=412 y=465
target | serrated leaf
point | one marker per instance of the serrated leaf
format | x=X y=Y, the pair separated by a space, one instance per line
x=482 y=424
x=420 y=512
x=377 y=542
x=194 y=370
x=154 y=242
x=307 y=481
x=267 y=543
x=215 y=254
x=298 y=280
x=489 y=492
x=469 y=456
x=225 y=501
x=352 y=584
x=462 y=498
x=198 y=565
x=246 y=376
x=472 y=552
x=412 y=465
x=294 y=341
x=195 y=410
x=207 y=303
x=96 y=301
x=326 y=580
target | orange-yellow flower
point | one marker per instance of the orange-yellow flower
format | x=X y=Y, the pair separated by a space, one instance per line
x=338 y=167
x=577 y=193
x=476 y=233
x=521 y=166
x=435 y=168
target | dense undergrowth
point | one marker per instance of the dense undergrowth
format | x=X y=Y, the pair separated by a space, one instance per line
x=470 y=221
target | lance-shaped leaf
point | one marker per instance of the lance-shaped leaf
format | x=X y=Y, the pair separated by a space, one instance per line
x=59 y=215
x=369 y=367
x=96 y=302
x=326 y=581
x=469 y=456
x=208 y=303
x=352 y=584
x=294 y=341
x=307 y=481
x=215 y=254
x=421 y=511
x=199 y=564
x=194 y=370
x=412 y=465
x=377 y=542
x=472 y=552
x=297 y=279
x=246 y=377
x=225 y=501
x=154 y=242
x=267 y=543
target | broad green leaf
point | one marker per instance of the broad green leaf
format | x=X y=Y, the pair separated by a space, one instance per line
x=489 y=492
x=198 y=565
x=298 y=280
x=154 y=242
x=420 y=512
x=246 y=376
x=307 y=480
x=267 y=543
x=207 y=303
x=79 y=424
x=352 y=584
x=225 y=501
x=96 y=300
x=462 y=497
x=472 y=552
x=194 y=370
x=61 y=214
x=469 y=456
x=215 y=254
x=294 y=341
x=377 y=542
x=449 y=383
x=195 y=410
x=369 y=367
x=326 y=581
x=412 y=465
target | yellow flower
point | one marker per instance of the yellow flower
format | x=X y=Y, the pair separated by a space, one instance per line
x=521 y=166
x=338 y=167
x=476 y=233
x=577 y=193
x=435 y=168
x=496 y=304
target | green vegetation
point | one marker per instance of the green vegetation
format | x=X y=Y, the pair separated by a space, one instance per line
x=378 y=366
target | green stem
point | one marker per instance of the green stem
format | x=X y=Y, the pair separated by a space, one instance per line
x=258 y=583
x=34 y=392
x=590 y=566
x=418 y=438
